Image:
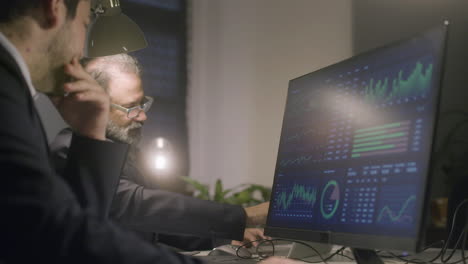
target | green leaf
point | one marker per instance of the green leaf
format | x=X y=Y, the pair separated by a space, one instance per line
x=225 y=192
x=232 y=200
x=244 y=196
x=218 y=196
x=203 y=189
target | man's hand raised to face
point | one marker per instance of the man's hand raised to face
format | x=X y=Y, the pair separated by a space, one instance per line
x=85 y=106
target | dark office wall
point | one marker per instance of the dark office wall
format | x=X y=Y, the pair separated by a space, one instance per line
x=164 y=73
x=377 y=22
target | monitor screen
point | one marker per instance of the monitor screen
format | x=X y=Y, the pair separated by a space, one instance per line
x=354 y=154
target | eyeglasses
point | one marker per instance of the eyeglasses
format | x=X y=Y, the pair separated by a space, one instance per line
x=134 y=112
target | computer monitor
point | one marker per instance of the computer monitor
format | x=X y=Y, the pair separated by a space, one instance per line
x=354 y=156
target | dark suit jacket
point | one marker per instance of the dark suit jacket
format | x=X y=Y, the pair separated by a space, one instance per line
x=44 y=219
x=154 y=210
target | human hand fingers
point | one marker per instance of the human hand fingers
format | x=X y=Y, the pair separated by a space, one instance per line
x=86 y=106
x=99 y=100
x=236 y=243
x=83 y=86
x=256 y=232
x=83 y=114
x=252 y=235
x=249 y=237
x=83 y=82
x=76 y=71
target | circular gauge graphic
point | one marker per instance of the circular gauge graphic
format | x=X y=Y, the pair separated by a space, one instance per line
x=330 y=199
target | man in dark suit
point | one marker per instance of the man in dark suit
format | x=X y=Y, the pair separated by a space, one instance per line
x=156 y=214
x=46 y=218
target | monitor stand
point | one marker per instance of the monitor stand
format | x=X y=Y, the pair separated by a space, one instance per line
x=366 y=256
x=300 y=251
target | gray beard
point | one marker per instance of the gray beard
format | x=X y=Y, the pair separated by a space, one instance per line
x=130 y=134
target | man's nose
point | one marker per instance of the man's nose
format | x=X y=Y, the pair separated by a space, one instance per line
x=141 y=116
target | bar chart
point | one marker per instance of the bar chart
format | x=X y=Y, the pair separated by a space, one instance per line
x=381 y=140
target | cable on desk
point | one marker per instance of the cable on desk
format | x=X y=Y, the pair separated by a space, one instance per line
x=407 y=255
x=444 y=249
x=461 y=239
x=262 y=241
x=307 y=245
x=246 y=244
x=449 y=238
x=464 y=244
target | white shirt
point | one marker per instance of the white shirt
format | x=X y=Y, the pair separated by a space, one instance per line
x=20 y=61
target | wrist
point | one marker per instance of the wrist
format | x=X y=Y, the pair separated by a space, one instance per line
x=256 y=215
x=251 y=217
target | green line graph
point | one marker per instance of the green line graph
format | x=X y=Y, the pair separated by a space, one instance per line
x=386 y=210
x=285 y=199
x=299 y=135
x=417 y=83
x=295 y=161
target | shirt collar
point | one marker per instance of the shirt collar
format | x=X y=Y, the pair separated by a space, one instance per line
x=20 y=61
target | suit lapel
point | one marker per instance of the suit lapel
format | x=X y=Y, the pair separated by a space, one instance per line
x=7 y=60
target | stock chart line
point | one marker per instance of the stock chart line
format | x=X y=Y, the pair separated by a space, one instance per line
x=299 y=135
x=309 y=195
x=417 y=83
x=391 y=215
x=297 y=161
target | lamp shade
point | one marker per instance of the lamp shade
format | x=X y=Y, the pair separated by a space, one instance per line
x=114 y=34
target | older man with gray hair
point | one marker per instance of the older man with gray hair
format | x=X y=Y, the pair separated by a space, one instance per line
x=158 y=215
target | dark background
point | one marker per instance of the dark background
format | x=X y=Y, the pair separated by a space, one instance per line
x=164 y=77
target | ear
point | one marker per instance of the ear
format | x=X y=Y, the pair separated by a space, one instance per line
x=54 y=12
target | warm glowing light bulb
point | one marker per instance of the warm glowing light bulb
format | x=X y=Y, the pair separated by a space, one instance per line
x=160 y=143
x=160 y=162
x=160 y=157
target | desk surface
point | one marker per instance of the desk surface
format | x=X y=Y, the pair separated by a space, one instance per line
x=385 y=256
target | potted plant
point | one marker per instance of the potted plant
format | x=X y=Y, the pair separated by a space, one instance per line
x=243 y=194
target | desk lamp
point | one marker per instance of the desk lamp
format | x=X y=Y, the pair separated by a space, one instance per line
x=112 y=31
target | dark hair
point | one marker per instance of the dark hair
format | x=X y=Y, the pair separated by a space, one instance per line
x=12 y=9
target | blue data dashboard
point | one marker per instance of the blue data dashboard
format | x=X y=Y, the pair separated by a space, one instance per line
x=356 y=141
